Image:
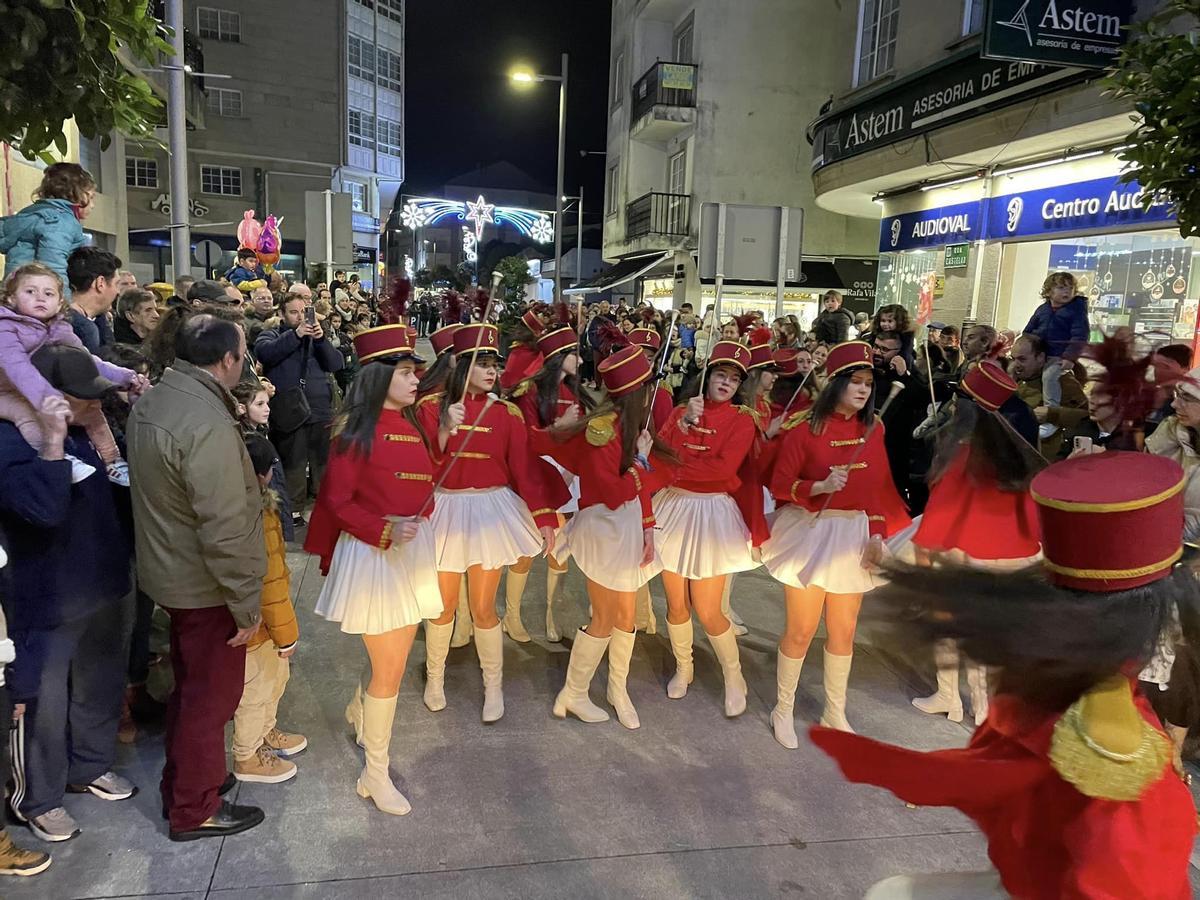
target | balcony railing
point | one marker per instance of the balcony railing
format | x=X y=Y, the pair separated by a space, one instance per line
x=666 y=84
x=657 y=213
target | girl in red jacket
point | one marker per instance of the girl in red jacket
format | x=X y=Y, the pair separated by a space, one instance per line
x=612 y=535
x=832 y=473
x=490 y=510
x=371 y=530
x=702 y=535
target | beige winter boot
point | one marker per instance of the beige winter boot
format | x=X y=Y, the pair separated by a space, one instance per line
x=375 y=782
x=489 y=644
x=681 y=647
x=978 y=685
x=586 y=654
x=463 y=626
x=837 y=678
x=437 y=646
x=787 y=677
x=725 y=647
x=644 y=611
x=554 y=580
x=620 y=652
x=947 y=699
x=514 y=589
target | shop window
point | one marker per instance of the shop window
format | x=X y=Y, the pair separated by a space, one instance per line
x=141 y=172
x=225 y=180
x=877 y=26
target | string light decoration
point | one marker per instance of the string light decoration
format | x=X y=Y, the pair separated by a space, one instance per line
x=420 y=212
x=470 y=245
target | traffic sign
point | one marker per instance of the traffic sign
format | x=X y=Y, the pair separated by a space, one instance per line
x=208 y=254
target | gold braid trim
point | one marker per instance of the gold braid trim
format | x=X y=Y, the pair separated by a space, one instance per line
x=601 y=430
x=796 y=420
x=385 y=537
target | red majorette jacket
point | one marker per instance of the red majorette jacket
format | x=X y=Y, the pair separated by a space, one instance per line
x=357 y=495
x=806 y=458
x=522 y=362
x=712 y=450
x=978 y=518
x=526 y=398
x=664 y=405
x=497 y=455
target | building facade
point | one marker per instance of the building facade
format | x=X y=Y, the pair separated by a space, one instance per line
x=708 y=102
x=984 y=175
x=313 y=101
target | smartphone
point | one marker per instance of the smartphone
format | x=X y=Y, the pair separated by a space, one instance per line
x=1083 y=444
x=310 y=315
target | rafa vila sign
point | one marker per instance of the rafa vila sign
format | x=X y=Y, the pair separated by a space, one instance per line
x=1082 y=33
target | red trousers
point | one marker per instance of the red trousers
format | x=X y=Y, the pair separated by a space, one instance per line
x=208 y=686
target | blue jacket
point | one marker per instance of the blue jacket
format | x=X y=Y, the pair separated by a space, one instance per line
x=1065 y=330
x=46 y=231
x=239 y=274
x=278 y=349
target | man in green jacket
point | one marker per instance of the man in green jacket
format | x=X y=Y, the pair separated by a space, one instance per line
x=1028 y=360
x=199 y=536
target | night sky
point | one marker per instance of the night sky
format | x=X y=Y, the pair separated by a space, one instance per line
x=462 y=110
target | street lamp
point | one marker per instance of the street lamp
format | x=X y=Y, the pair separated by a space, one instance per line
x=523 y=75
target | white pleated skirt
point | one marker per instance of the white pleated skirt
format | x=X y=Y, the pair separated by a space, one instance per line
x=826 y=553
x=572 y=483
x=487 y=527
x=607 y=546
x=373 y=591
x=701 y=535
x=901 y=546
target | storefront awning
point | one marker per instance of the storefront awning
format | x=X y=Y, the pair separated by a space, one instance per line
x=624 y=270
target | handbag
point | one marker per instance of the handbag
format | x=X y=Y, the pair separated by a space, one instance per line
x=289 y=407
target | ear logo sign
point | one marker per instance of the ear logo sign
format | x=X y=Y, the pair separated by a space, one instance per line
x=1015 y=207
x=896 y=226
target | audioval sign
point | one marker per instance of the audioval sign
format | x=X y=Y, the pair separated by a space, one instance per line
x=1081 y=33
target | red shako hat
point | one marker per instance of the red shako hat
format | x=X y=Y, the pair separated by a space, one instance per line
x=989 y=385
x=1111 y=521
x=646 y=338
x=412 y=335
x=443 y=339
x=387 y=343
x=850 y=355
x=533 y=322
x=558 y=341
x=729 y=353
x=624 y=371
x=761 y=357
x=478 y=338
x=787 y=361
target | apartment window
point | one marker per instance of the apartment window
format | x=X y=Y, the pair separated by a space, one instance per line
x=618 y=79
x=973 y=12
x=391 y=137
x=876 y=38
x=684 y=38
x=677 y=172
x=141 y=171
x=224 y=102
x=358 y=195
x=218 y=24
x=225 y=180
x=610 y=187
x=361 y=129
x=391 y=70
x=392 y=9
x=361 y=58
x=90 y=157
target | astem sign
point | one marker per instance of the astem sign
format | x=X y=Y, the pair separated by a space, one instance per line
x=1080 y=33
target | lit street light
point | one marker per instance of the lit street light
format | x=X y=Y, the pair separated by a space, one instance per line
x=523 y=75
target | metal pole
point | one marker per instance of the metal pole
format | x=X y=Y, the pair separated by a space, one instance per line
x=562 y=162
x=781 y=262
x=579 y=242
x=181 y=230
x=329 y=237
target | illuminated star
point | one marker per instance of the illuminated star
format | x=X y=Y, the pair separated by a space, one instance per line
x=480 y=212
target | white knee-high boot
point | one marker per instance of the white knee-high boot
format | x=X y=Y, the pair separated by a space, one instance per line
x=787 y=678
x=681 y=648
x=725 y=647
x=620 y=652
x=837 y=679
x=514 y=589
x=947 y=699
x=354 y=709
x=463 y=626
x=437 y=645
x=554 y=579
x=489 y=644
x=977 y=683
x=375 y=782
x=739 y=627
x=644 y=616
x=586 y=654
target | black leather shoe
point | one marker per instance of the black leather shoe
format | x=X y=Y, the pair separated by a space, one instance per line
x=228 y=819
x=226 y=786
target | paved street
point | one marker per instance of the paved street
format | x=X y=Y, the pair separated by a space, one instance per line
x=692 y=805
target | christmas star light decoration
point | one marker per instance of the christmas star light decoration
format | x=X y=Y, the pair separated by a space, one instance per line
x=480 y=212
x=542 y=231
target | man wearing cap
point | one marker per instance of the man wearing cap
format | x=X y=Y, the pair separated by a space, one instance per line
x=67 y=578
x=200 y=555
x=297 y=359
x=209 y=291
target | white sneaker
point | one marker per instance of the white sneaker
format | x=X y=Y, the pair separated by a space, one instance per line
x=79 y=469
x=118 y=472
x=1046 y=431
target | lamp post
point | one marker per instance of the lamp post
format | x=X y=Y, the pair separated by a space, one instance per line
x=524 y=76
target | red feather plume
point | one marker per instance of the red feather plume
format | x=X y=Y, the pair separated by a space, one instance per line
x=479 y=302
x=1124 y=379
x=391 y=312
x=452 y=304
x=647 y=315
x=759 y=336
x=610 y=338
x=743 y=322
x=562 y=315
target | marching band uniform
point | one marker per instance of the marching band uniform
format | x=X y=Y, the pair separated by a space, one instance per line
x=606 y=536
x=976 y=523
x=701 y=531
x=523 y=360
x=488 y=511
x=809 y=547
x=374 y=586
x=1075 y=803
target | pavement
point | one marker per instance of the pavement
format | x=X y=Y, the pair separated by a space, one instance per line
x=692 y=805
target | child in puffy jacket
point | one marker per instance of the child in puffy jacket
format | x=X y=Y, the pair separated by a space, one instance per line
x=32 y=318
x=49 y=229
x=1062 y=323
x=260 y=750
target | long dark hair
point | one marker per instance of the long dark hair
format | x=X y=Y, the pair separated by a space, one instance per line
x=546 y=383
x=434 y=378
x=460 y=374
x=826 y=403
x=354 y=427
x=997 y=454
x=632 y=410
x=1030 y=629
